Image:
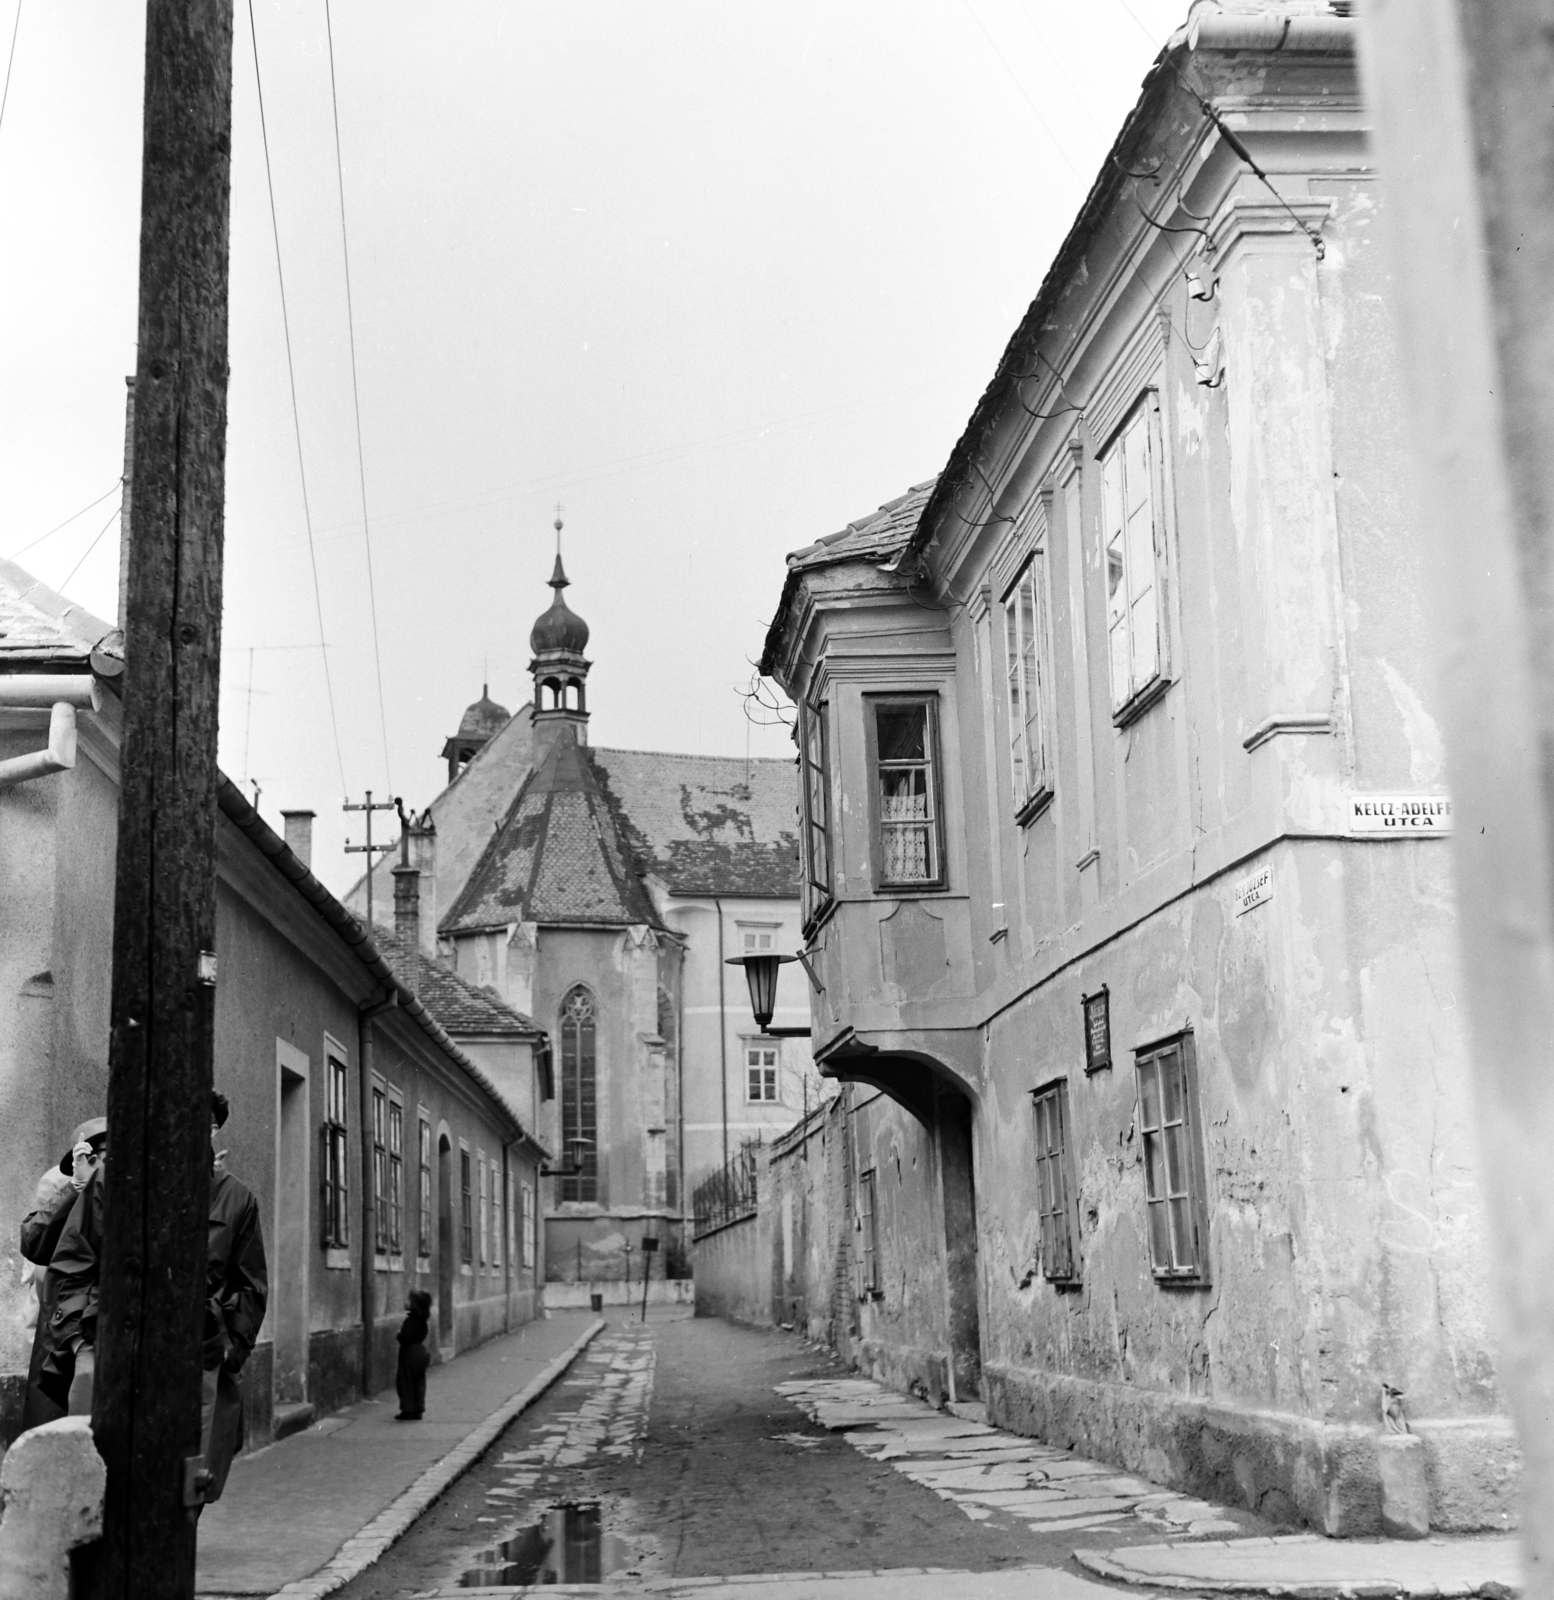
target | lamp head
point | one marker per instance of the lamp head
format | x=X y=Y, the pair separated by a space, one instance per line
x=761 y=975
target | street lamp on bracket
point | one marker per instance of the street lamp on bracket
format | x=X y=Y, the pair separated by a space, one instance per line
x=579 y=1147
x=761 y=975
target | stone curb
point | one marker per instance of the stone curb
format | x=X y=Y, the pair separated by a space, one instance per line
x=1117 y=1571
x=368 y=1543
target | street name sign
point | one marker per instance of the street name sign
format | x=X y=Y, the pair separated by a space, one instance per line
x=1414 y=815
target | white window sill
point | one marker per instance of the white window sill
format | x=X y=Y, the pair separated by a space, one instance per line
x=1141 y=702
x=337 y=1259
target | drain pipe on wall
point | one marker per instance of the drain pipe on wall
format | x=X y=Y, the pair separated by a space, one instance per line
x=722 y=1031
x=61 y=695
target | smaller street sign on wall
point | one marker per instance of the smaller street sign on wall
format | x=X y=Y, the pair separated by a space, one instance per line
x=1411 y=815
x=1254 y=889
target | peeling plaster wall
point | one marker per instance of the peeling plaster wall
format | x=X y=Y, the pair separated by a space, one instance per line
x=1346 y=1242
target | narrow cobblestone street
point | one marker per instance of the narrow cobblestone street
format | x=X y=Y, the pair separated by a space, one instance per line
x=691 y=1449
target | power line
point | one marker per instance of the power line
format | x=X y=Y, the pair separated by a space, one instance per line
x=90 y=548
x=296 y=419
x=1142 y=29
x=115 y=485
x=10 y=61
x=1046 y=126
x=356 y=399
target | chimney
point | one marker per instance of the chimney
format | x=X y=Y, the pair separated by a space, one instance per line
x=407 y=926
x=299 y=835
x=423 y=837
x=124 y=504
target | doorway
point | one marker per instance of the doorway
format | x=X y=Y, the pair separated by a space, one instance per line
x=952 y=1115
x=445 y=1245
x=289 y=1281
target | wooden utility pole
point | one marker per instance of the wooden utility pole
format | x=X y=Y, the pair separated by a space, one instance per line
x=1458 y=97
x=146 y=1409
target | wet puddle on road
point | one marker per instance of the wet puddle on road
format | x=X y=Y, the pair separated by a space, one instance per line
x=567 y=1545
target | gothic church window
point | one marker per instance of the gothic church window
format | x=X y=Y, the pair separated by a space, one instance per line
x=579 y=1093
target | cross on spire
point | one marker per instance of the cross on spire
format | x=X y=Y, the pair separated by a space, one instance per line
x=558 y=529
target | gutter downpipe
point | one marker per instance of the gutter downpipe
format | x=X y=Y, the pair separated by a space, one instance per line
x=366 y=1012
x=722 y=1030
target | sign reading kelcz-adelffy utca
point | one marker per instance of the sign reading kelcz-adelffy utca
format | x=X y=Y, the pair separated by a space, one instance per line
x=1415 y=814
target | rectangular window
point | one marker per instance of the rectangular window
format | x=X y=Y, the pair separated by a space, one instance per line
x=758 y=941
x=1025 y=639
x=816 y=797
x=466 y=1212
x=380 y=1170
x=1131 y=537
x=910 y=850
x=396 y=1184
x=1055 y=1187
x=485 y=1253
x=526 y=1237
x=868 y=1237
x=496 y=1215
x=333 y=1168
x=424 y=1225
x=1173 y=1162
x=760 y=1072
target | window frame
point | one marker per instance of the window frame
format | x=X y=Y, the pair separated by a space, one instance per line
x=1031 y=771
x=815 y=792
x=1132 y=698
x=869 y=1235
x=527 y=1239
x=483 y=1231
x=424 y=1198
x=466 y=1209
x=1190 y=1168
x=774 y=1049
x=1057 y=1194
x=873 y=704
x=335 y=1167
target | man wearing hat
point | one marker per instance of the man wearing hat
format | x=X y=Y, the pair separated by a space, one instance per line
x=52 y=1367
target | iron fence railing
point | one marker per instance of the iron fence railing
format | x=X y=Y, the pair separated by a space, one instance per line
x=727 y=1194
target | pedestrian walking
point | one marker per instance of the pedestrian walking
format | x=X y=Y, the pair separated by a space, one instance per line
x=236 y=1289
x=414 y=1357
x=48 y=1381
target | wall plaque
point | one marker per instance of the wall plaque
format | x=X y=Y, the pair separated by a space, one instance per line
x=1098 y=1029
x=1415 y=815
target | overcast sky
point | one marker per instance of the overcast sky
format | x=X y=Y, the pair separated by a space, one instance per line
x=719 y=277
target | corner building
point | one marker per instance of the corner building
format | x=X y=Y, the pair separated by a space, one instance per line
x=1124 y=852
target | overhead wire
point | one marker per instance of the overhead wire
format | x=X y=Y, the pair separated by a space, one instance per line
x=91 y=547
x=296 y=418
x=356 y=399
x=10 y=61
x=1057 y=144
x=74 y=516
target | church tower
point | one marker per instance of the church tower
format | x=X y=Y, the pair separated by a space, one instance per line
x=558 y=640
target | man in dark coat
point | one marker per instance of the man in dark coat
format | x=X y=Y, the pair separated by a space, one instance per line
x=50 y=1371
x=236 y=1289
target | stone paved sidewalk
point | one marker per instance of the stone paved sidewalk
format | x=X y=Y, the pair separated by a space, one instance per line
x=984 y=1470
x=1309 y=1567
x=303 y=1516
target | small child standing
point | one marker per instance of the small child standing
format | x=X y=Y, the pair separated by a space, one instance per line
x=414 y=1357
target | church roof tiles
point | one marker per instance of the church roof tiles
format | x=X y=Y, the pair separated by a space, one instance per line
x=560 y=855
